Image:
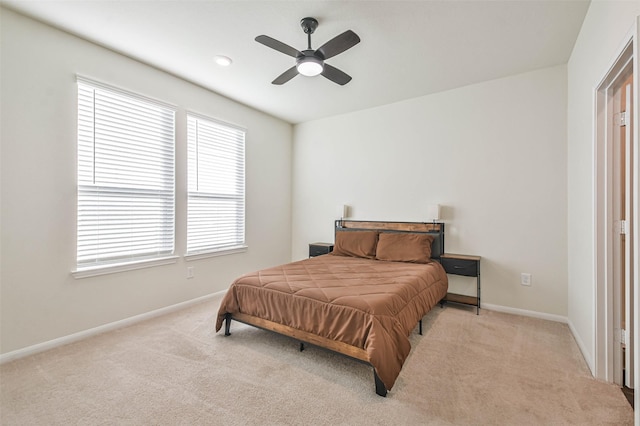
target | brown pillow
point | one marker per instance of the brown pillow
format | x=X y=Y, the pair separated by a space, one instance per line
x=399 y=247
x=356 y=244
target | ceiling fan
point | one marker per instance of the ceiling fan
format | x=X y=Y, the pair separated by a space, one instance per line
x=310 y=62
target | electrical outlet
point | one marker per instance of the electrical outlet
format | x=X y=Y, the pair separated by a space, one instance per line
x=525 y=279
x=190 y=272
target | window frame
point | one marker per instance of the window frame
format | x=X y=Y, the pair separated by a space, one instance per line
x=239 y=245
x=163 y=194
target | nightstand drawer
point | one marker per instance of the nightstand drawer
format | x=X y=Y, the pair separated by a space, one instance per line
x=318 y=249
x=468 y=268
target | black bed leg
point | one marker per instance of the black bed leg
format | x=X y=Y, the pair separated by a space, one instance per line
x=421 y=326
x=380 y=389
x=301 y=346
x=227 y=324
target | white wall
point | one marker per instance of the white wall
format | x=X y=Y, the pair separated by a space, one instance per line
x=601 y=36
x=493 y=154
x=40 y=300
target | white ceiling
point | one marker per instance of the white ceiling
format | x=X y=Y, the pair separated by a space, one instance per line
x=408 y=48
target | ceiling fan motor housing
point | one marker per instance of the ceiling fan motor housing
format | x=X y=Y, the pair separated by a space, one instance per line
x=309 y=25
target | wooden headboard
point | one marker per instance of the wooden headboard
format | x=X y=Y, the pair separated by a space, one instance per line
x=434 y=228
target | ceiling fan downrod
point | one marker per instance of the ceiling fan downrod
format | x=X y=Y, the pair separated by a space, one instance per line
x=309 y=25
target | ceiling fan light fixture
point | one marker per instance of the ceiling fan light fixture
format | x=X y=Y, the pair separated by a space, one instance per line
x=309 y=66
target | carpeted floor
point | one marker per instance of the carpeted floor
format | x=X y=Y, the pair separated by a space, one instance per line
x=493 y=369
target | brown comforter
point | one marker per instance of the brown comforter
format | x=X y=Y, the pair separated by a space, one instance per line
x=370 y=304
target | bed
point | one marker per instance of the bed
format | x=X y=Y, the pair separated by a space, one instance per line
x=362 y=300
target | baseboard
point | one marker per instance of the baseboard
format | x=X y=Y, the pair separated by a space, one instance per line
x=583 y=348
x=41 y=347
x=525 y=313
x=550 y=317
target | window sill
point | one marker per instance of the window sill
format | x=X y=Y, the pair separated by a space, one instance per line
x=121 y=267
x=214 y=253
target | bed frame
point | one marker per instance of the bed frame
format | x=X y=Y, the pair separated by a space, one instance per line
x=436 y=229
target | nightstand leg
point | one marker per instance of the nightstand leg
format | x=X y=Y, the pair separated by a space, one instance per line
x=478 y=307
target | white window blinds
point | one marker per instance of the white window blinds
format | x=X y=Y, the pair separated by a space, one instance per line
x=125 y=177
x=216 y=205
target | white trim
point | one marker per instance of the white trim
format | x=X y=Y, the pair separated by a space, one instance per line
x=214 y=253
x=525 y=313
x=121 y=267
x=604 y=293
x=217 y=120
x=109 y=87
x=583 y=348
x=636 y=215
x=71 y=338
x=550 y=317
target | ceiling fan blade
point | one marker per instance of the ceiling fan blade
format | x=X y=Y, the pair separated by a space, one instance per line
x=285 y=76
x=335 y=75
x=339 y=44
x=278 y=45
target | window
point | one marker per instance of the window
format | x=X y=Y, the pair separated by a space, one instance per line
x=126 y=200
x=215 y=218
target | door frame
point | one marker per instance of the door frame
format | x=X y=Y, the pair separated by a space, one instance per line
x=636 y=213
x=605 y=296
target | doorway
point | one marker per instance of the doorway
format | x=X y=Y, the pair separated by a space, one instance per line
x=616 y=214
x=621 y=124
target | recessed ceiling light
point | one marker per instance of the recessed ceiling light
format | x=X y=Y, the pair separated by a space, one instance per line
x=223 y=61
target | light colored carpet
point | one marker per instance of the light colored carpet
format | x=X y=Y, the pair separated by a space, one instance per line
x=495 y=369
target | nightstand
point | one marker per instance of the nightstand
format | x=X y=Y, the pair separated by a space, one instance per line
x=467 y=266
x=317 y=249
